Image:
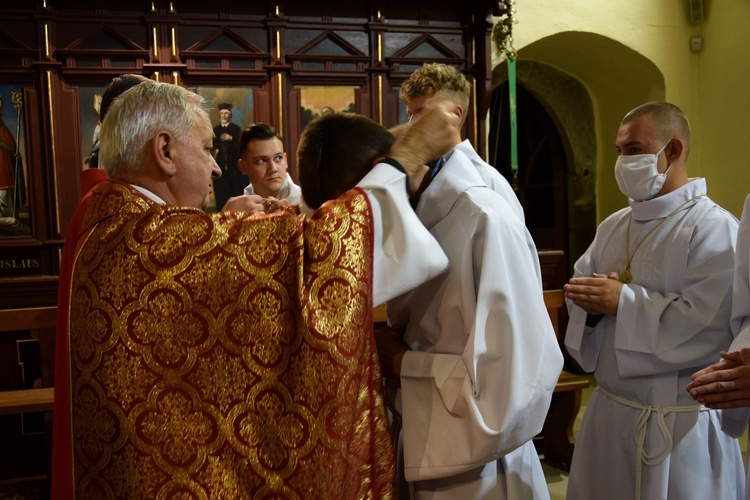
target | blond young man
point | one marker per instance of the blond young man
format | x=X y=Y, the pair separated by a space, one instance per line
x=471 y=357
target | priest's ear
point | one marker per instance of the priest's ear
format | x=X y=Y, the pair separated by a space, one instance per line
x=162 y=147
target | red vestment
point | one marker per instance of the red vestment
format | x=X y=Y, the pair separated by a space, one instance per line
x=7 y=150
x=226 y=355
x=62 y=445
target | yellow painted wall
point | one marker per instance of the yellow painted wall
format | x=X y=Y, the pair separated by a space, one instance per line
x=723 y=89
x=627 y=53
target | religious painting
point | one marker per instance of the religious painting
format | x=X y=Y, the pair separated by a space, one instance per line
x=89 y=99
x=315 y=101
x=231 y=109
x=240 y=98
x=14 y=189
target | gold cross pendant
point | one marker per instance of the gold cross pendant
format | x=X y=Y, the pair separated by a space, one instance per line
x=625 y=276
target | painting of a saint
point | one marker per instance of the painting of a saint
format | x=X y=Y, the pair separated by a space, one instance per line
x=14 y=209
x=231 y=110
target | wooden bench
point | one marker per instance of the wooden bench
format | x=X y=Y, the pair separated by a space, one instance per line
x=556 y=442
x=33 y=319
x=26 y=414
x=26 y=401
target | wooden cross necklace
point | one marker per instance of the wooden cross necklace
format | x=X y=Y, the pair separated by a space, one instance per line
x=626 y=276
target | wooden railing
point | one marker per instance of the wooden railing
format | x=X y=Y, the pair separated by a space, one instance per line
x=556 y=441
x=32 y=319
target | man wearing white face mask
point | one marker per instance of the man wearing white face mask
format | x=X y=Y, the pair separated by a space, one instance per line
x=649 y=305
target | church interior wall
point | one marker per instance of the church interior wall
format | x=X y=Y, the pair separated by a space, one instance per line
x=627 y=53
x=279 y=63
x=569 y=105
x=588 y=62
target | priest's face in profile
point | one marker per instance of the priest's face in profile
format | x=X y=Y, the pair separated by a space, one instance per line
x=194 y=166
x=264 y=162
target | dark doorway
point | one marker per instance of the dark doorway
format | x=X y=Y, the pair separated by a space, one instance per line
x=541 y=179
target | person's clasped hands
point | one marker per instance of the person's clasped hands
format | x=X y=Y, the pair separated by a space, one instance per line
x=254 y=203
x=725 y=384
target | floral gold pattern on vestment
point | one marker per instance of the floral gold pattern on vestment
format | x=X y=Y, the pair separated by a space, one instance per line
x=226 y=355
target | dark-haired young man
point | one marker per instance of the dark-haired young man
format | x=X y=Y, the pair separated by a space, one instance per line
x=263 y=160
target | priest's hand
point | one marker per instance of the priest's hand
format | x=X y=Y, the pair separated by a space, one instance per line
x=271 y=204
x=245 y=203
x=429 y=135
x=599 y=294
x=391 y=350
x=398 y=130
x=725 y=384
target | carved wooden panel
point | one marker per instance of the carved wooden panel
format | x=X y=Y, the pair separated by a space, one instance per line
x=227 y=52
x=60 y=51
x=59 y=54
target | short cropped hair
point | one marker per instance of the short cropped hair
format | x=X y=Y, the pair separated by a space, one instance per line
x=335 y=152
x=138 y=114
x=434 y=78
x=116 y=87
x=258 y=132
x=669 y=121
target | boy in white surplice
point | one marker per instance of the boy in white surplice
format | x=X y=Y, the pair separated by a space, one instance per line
x=471 y=355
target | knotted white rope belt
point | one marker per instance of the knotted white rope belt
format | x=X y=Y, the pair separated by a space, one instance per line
x=641 y=427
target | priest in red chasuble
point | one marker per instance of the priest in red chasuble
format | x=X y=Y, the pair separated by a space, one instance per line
x=231 y=355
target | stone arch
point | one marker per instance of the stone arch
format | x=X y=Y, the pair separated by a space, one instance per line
x=586 y=82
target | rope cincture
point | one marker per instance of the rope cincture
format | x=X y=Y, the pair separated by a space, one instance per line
x=641 y=428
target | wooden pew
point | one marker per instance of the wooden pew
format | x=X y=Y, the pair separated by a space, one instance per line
x=26 y=400
x=556 y=441
x=33 y=319
x=379 y=314
x=26 y=414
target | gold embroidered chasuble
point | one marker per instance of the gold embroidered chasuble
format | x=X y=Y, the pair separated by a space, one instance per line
x=226 y=355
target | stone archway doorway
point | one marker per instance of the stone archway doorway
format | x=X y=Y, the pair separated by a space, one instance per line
x=541 y=182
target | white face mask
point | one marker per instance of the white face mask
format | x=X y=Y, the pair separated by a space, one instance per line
x=638 y=176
